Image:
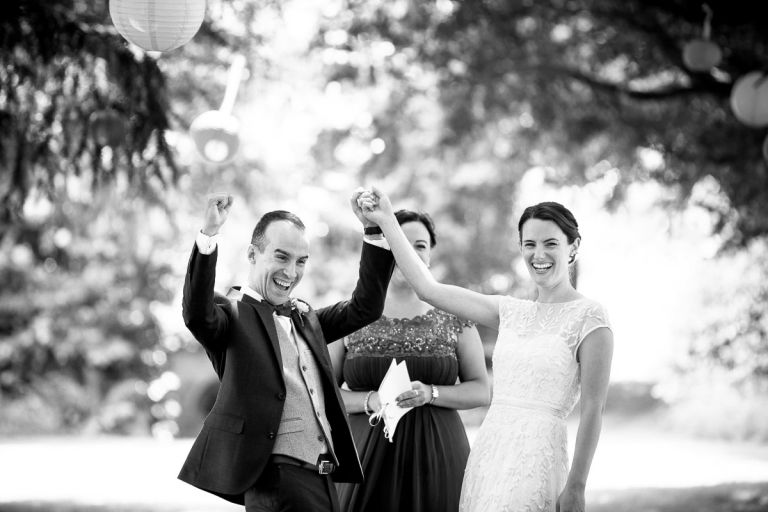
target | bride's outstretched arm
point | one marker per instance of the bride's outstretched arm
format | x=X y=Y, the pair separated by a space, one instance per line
x=480 y=308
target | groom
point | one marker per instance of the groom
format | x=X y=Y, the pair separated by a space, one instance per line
x=277 y=434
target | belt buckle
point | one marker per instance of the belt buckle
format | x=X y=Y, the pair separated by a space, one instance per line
x=325 y=467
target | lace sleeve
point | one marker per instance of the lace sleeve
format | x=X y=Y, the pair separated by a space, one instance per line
x=595 y=317
x=508 y=308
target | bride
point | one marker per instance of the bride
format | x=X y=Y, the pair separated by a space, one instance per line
x=549 y=352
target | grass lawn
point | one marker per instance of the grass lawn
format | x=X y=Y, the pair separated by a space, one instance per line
x=637 y=469
x=747 y=497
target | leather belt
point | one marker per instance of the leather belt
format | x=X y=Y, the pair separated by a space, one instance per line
x=322 y=467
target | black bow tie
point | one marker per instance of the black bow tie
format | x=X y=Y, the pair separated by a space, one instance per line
x=283 y=309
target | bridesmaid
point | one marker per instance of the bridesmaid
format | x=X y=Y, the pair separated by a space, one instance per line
x=422 y=468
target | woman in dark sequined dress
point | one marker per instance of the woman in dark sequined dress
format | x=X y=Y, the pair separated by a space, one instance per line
x=422 y=468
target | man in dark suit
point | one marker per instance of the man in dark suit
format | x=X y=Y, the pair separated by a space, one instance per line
x=277 y=436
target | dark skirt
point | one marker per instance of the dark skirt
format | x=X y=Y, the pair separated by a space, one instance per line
x=420 y=471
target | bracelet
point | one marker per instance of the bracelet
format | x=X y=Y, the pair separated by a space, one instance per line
x=373 y=230
x=366 y=409
x=435 y=394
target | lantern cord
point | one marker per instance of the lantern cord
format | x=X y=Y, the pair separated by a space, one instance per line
x=707 y=32
x=233 y=83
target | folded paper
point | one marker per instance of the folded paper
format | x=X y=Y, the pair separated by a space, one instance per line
x=395 y=383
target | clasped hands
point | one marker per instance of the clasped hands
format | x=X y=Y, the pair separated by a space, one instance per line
x=371 y=206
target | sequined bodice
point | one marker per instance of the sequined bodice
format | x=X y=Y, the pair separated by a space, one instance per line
x=426 y=342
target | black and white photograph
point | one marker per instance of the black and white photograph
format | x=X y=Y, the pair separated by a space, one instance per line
x=383 y=256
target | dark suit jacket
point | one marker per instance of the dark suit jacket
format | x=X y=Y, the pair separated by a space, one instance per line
x=240 y=339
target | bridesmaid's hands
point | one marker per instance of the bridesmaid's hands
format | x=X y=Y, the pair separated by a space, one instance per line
x=420 y=394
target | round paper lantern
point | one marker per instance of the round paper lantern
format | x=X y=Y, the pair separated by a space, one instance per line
x=749 y=99
x=216 y=136
x=107 y=127
x=157 y=25
x=701 y=55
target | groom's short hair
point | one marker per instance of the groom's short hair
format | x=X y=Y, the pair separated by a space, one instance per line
x=259 y=239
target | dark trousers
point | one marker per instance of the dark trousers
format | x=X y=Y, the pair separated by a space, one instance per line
x=289 y=488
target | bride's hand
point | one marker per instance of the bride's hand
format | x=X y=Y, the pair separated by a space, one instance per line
x=375 y=205
x=571 y=499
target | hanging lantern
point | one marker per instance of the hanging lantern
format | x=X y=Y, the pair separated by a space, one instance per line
x=157 y=25
x=107 y=127
x=749 y=99
x=701 y=55
x=216 y=133
x=216 y=136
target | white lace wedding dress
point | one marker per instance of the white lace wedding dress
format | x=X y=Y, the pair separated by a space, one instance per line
x=519 y=459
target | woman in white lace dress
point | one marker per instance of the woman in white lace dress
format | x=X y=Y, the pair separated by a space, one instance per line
x=549 y=351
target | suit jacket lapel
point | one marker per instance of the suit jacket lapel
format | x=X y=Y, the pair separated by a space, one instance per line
x=265 y=313
x=303 y=325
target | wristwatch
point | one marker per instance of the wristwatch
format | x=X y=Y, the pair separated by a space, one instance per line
x=435 y=394
x=372 y=230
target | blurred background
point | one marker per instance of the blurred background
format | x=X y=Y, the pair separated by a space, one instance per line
x=646 y=118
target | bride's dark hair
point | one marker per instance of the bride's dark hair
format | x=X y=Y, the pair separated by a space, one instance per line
x=555 y=212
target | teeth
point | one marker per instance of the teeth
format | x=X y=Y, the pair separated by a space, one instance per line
x=284 y=284
x=541 y=266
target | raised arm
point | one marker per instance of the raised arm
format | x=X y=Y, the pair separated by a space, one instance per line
x=203 y=317
x=367 y=301
x=480 y=308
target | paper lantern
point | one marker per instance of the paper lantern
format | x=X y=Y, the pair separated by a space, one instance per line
x=107 y=127
x=216 y=135
x=157 y=25
x=701 y=55
x=749 y=99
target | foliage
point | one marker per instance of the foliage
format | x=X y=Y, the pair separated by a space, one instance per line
x=567 y=85
x=718 y=387
x=77 y=329
x=64 y=64
x=732 y=332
